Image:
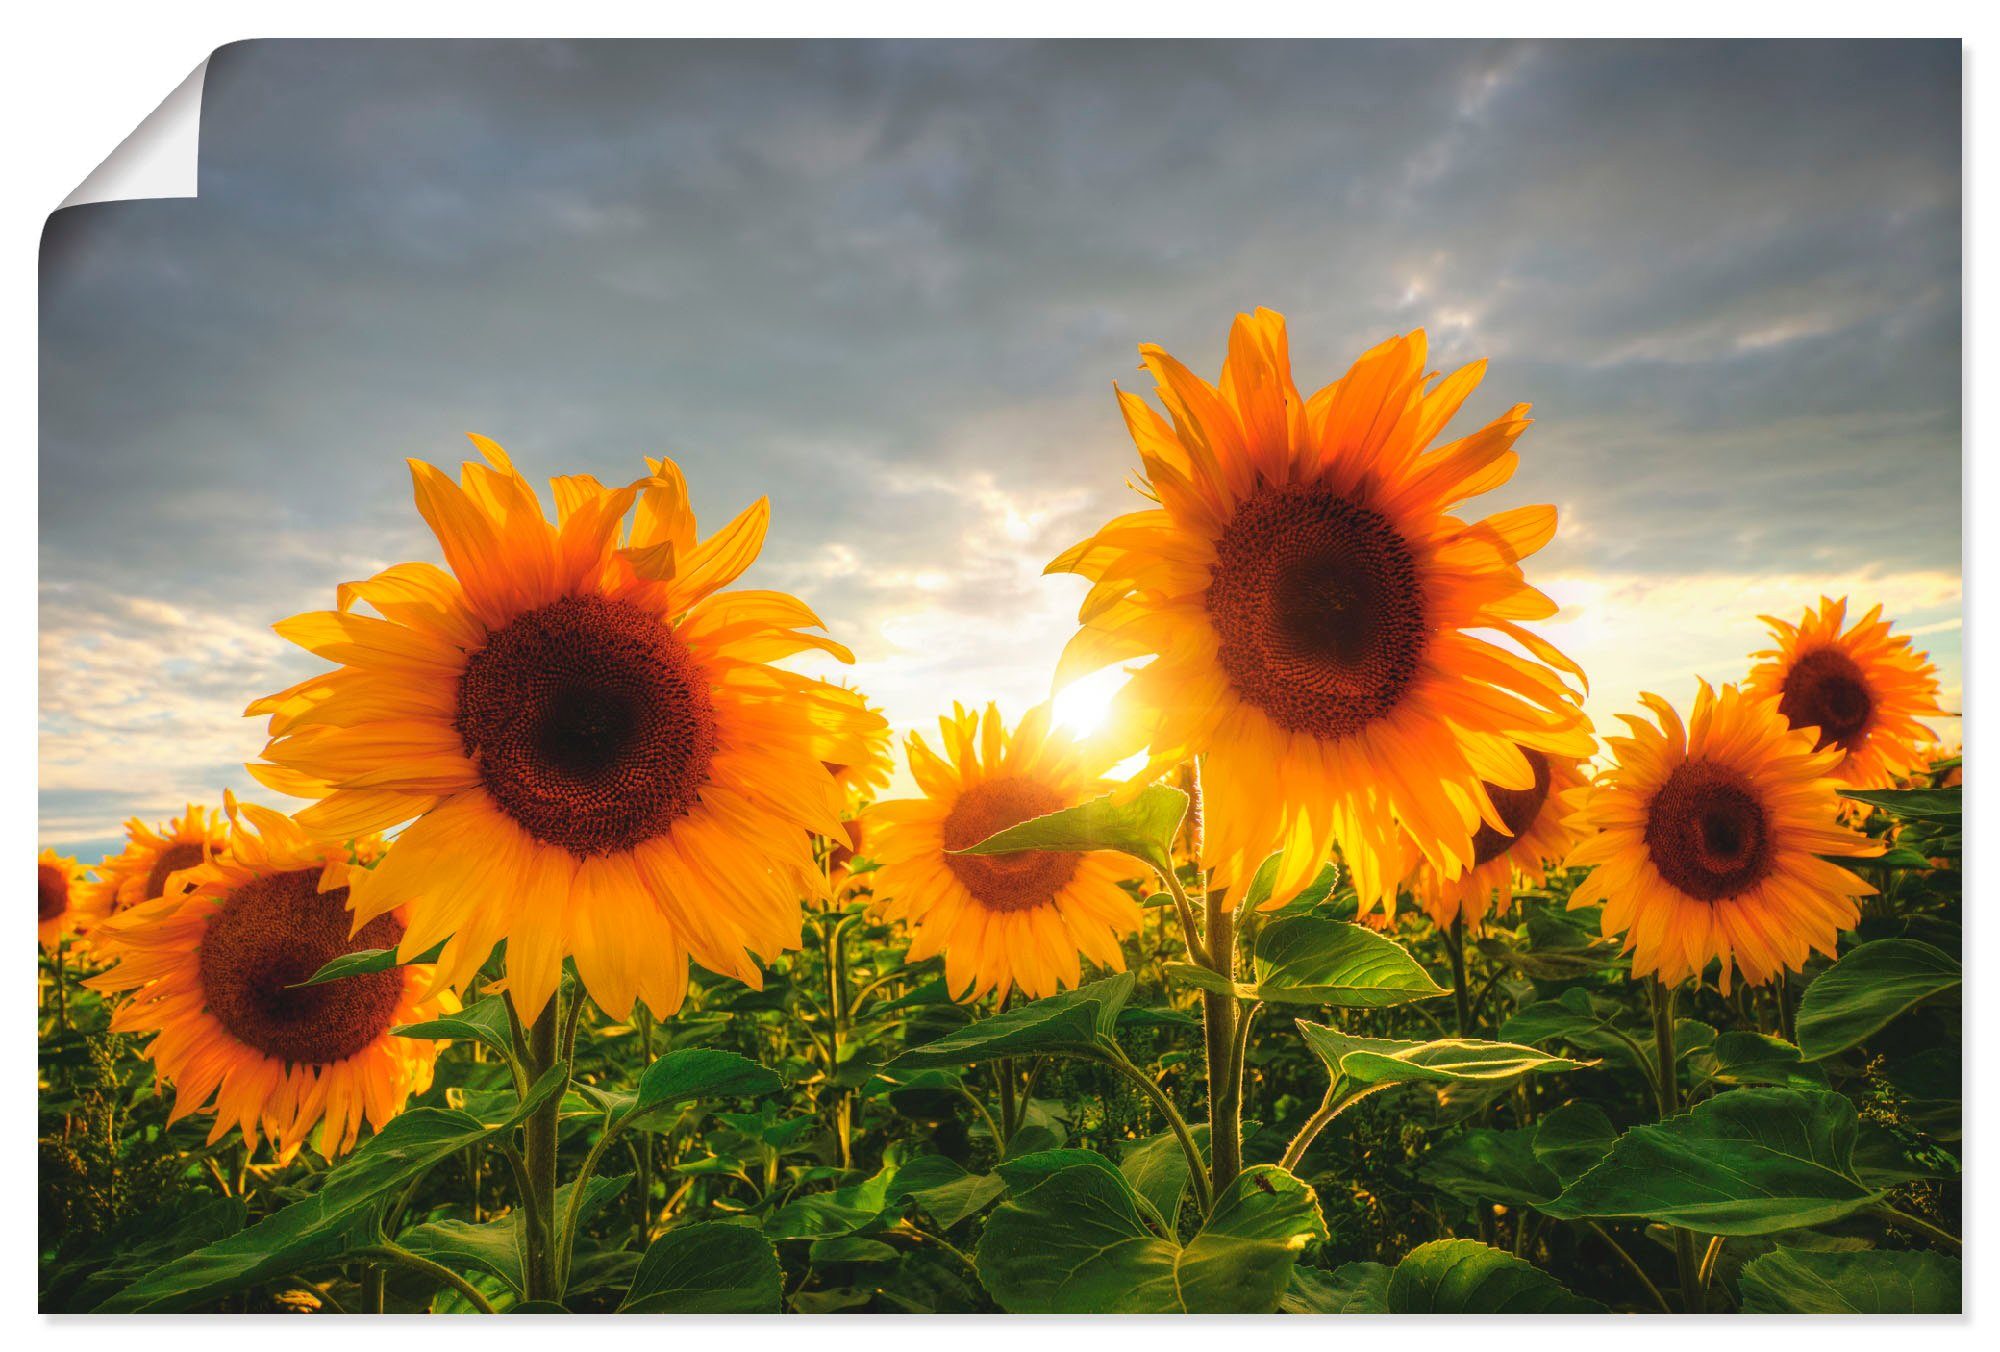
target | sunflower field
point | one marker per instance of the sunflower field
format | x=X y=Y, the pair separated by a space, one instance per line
x=1348 y=968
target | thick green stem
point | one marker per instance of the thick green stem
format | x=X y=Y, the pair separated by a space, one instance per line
x=1454 y=944
x=539 y=1156
x=1010 y=1114
x=642 y=1149
x=1667 y=1084
x=1220 y=1012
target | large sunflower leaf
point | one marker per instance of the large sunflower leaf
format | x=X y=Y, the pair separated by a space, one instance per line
x=1748 y=1162
x=1351 y=1288
x=1872 y=984
x=1871 y=1281
x=1463 y=1276
x=1570 y=1140
x=500 y=1247
x=344 y=1211
x=1487 y=1165
x=1916 y=804
x=692 y=1073
x=1142 y=826
x=708 y=1267
x=1075 y=1021
x=1746 y=1058
x=1307 y=961
x=1080 y=1241
x=1383 y=1061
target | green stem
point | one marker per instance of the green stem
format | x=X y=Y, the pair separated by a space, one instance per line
x=1632 y=1266
x=1918 y=1225
x=642 y=1150
x=393 y=1253
x=373 y=1288
x=1220 y=1013
x=539 y=1156
x=1197 y=1172
x=62 y=985
x=1190 y=928
x=1010 y=1117
x=1668 y=1085
x=1454 y=944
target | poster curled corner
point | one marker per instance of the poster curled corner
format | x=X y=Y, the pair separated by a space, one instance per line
x=161 y=158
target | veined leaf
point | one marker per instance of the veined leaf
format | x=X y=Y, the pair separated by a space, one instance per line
x=1572 y=1139
x=1748 y=1162
x=944 y=1189
x=1914 y=804
x=1077 y=1242
x=344 y=1210
x=1485 y=1165
x=1872 y=1281
x=1308 y=961
x=1351 y=1288
x=482 y=1021
x=1860 y=994
x=1074 y=1021
x=708 y=1267
x=1142 y=826
x=1463 y=1276
x=1370 y=1061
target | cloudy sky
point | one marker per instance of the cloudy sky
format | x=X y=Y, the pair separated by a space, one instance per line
x=890 y=286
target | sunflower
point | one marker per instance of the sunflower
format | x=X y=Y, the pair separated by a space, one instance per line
x=1861 y=689
x=64 y=906
x=866 y=759
x=598 y=756
x=212 y=971
x=1001 y=921
x=153 y=858
x=1535 y=835
x=1308 y=606
x=1709 y=840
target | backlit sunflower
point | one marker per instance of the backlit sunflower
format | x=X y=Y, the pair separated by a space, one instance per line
x=1861 y=689
x=212 y=972
x=64 y=906
x=600 y=759
x=152 y=858
x=1536 y=836
x=1309 y=605
x=867 y=760
x=1709 y=840
x=1005 y=920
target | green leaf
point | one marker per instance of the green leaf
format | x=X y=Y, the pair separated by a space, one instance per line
x=482 y=1021
x=1915 y=804
x=691 y=1073
x=1078 y=1242
x=945 y=1190
x=363 y=961
x=1157 y=1169
x=343 y=1212
x=1308 y=961
x=1075 y=1021
x=1872 y=984
x=499 y=1247
x=1351 y=1288
x=1143 y=827
x=1382 y=1061
x=708 y=1267
x=1485 y=1165
x=1748 y=1162
x=843 y=1211
x=1463 y=1276
x=1744 y=1058
x=1874 y=1281
x=1207 y=979
x=1570 y=1140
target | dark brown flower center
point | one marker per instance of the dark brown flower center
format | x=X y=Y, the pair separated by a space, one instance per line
x=1005 y=882
x=591 y=723
x=177 y=856
x=1707 y=832
x=1517 y=807
x=1826 y=690
x=1318 y=610
x=51 y=892
x=276 y=931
